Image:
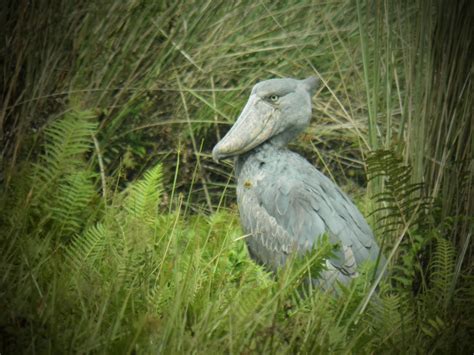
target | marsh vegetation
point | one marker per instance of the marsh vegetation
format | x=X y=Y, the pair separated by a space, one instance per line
x=120 y=234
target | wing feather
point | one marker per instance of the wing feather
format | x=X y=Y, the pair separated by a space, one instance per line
x=293 y=212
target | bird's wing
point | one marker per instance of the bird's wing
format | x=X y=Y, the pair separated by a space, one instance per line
x=293 y=212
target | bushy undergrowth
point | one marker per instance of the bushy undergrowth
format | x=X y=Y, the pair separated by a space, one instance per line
x=126 y=277
x=118 y=232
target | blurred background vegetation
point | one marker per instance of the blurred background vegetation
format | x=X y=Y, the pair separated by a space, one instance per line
x=119 y=232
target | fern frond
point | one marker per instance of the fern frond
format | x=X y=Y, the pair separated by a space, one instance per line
x=433 y=327
x=87 y=248
x=67 y=140
x=401 y=211
x=442 y=271
x=160 y=297
x=144 y=195
x=63 y=185
x=74 y=195
x=401 y=203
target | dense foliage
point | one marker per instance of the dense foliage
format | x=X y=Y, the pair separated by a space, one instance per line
x=118 y=232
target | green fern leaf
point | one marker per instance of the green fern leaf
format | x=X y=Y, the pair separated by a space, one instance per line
x=87 y=248
x=401 y=203
x=401 y=208
x=75 y=193
x=63 y=184
x=67 y=140
x=144 y=195
x=442 y=271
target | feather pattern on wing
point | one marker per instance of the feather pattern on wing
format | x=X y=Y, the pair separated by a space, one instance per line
x=287 y=205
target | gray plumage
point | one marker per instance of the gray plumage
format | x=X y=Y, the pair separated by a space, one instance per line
x=285 y=203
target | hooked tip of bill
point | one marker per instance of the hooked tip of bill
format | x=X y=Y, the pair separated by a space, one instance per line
x=215 y=154
x=220 y=152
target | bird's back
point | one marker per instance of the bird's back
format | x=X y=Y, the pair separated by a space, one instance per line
x=286 y=205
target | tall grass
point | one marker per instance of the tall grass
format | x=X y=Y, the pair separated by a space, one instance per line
x=118 y=231
x=418 y=79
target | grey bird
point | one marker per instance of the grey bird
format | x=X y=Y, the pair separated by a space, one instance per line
x=286 y=205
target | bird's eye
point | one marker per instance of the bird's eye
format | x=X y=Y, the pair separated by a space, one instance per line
x=274 y=98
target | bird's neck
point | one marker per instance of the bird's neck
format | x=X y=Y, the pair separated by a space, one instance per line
x=267 y=150
x=281 y=140
x=271 y=148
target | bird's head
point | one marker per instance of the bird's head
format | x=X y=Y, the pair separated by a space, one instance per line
x=277 y=110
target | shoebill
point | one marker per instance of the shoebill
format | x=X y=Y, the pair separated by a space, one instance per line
x=285 y=203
